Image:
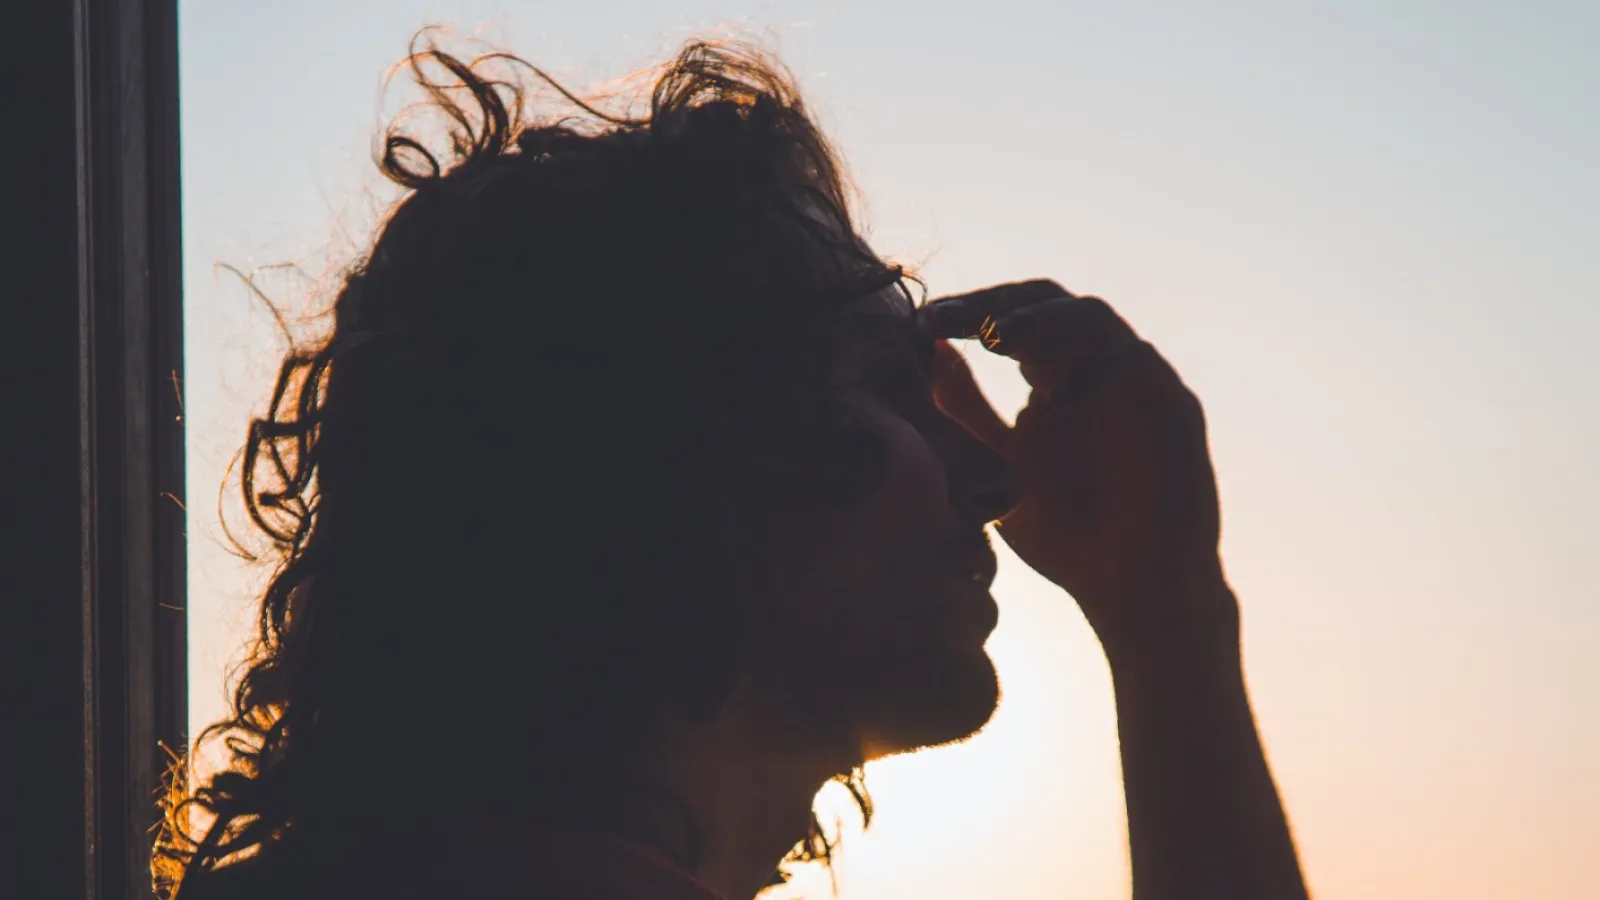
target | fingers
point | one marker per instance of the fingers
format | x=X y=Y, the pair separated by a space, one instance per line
x=1059 y=340
x=1136 y=362
x=972 y=314
x=1046 y=329
x=1053 y=339
x=958 y=394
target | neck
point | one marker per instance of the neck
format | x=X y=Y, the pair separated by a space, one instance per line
x=747 y=797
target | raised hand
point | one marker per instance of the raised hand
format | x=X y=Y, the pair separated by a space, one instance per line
x=1119 y=503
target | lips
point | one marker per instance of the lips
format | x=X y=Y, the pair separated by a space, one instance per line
x=974 y=607
x=975 y=561
x=973 y=613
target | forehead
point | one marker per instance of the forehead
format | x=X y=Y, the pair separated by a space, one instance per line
x=885 y=315
x=884 y=322
x=887 y=312
x=887 y=303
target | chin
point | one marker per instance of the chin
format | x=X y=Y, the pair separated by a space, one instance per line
x=930 y=709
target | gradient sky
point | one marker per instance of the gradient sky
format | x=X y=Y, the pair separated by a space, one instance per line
x=1366 y=233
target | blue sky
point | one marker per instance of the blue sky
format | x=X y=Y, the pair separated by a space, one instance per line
x=1365 y=233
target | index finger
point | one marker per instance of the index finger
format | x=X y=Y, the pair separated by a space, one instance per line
x=973 y=314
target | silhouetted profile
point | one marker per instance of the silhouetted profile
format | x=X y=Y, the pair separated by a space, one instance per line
x=632 y=497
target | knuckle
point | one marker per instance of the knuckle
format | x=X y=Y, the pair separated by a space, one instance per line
x=1094 y=301
x=1190 y=404
x=1103 y=314
x=1186 y=404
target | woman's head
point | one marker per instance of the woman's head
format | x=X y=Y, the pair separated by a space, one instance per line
x=599 y=434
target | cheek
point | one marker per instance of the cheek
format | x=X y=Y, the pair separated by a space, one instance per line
x=907 y=493
x=880 y=549
x=852 y=566
x=913 y=495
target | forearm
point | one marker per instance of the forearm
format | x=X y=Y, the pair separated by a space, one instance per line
x=1204 y=817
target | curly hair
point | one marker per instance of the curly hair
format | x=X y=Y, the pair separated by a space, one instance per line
x=523 y=485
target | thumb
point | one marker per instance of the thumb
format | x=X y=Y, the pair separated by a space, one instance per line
x=957 y=393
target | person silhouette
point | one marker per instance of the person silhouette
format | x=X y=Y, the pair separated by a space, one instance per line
x=632 y=497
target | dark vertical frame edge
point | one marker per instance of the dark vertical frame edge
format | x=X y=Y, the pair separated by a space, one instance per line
x=131 y=429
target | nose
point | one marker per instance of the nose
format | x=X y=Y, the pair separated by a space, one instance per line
x=984 y=485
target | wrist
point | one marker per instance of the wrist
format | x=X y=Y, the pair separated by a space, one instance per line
x=1192 y=632
x=1184 y=682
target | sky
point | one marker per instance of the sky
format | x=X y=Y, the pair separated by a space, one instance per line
x=1367 y=234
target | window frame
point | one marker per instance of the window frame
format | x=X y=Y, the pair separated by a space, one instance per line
x=96 y=592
